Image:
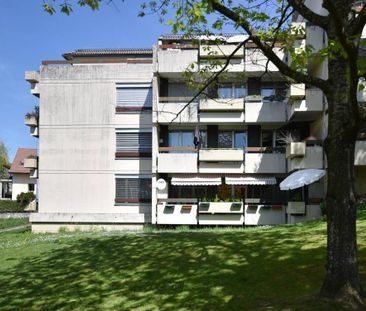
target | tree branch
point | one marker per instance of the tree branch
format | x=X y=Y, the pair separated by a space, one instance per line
x=319 y=20
x=267 y=50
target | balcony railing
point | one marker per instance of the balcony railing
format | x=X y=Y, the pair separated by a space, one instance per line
x=222 y=104
x=221 y=154
x=169 y=108
x=295 y=149
x=262 y=161
x=259 y=110
x=177 y=160
x=176 y=60
x=312 y=158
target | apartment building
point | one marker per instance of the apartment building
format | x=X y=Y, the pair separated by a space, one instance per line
x=120 y=147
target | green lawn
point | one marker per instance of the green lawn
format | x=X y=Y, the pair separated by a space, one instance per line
x=10 y=206
x=13 y=222
x=279 y=268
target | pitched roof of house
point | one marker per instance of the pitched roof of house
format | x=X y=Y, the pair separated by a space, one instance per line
x=106 y=52
x=17 y=165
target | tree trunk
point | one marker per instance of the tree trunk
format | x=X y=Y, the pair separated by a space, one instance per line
x=341 y=279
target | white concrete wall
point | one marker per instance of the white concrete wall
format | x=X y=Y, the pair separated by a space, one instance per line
x=265 y=112
x=313 y=159
x=265 y=163
x=176 y=60
x=177 y=163
x=176 y=215
x=20 y=184
x=259 y=215
x=77 y=144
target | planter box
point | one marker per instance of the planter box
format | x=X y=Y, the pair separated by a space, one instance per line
x=221 y=208
x=31 y=121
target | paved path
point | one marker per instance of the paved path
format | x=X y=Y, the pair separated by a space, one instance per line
x=18 y=228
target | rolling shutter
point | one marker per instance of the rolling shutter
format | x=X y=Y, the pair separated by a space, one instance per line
x=132 y=189
x=134 y=96
x=134 y=142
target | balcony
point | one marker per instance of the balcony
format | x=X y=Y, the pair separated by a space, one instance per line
x=221 y=104
x=177 y=212
x=169 y=107
x=178 y=160
x=221 y=155
x=305 y=108
x=32 y=122
x=258 y=110
x=360 y=152
x=220 y=51
x=313 y=158
x=256 y=62
x=31 y=163
x=33 y=78
x=295 y=150
x=296 y=208
x=176 y=60
x=221 y=213
x=258 y=162
x=257 y=214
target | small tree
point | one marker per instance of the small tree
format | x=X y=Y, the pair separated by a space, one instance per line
x=4 y=162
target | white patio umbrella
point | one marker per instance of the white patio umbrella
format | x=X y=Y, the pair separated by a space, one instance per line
x=301 y=178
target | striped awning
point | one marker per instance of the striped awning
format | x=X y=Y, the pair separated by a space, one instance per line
x=249 y=180
x=196 y=180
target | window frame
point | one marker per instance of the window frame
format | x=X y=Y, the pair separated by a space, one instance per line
x=133 y=154
x=132 y=200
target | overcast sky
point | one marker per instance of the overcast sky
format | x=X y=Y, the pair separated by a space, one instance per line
x=29 y=35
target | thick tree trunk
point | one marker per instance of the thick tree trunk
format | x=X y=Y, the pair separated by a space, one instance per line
x=341 y=280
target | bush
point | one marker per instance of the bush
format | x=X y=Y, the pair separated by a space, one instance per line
x=25 y=198
x=8 y=206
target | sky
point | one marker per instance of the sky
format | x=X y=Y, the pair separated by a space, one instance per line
x=28 y=35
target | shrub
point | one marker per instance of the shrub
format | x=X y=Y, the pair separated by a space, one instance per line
x=25 y=198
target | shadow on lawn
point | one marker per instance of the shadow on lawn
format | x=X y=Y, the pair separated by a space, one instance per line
x=168 y=271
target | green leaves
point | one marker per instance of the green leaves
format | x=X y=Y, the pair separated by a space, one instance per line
x=66 y=7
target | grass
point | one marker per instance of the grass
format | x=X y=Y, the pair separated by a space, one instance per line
x=13 y=222
x=10 y=206
x=278 y=268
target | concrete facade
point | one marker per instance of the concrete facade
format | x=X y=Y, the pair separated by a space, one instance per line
x=252 y=129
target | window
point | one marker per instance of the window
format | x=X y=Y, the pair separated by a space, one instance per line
x=232 y=139
x=240 y=140
x=133 y=189
x=225 y=140
x=133 y=143
x=133 y=97
x=267 y=138
x=273 y=92
x=30 y=187
x=180 y=139
x=268 y=194
x=231 y=90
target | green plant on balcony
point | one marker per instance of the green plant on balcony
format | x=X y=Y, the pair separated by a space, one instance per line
x=34 y=113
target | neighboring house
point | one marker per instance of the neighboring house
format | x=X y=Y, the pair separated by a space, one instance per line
x=21 y=171
x=113 y=156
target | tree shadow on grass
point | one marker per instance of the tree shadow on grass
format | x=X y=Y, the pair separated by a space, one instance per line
x=170 y=271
